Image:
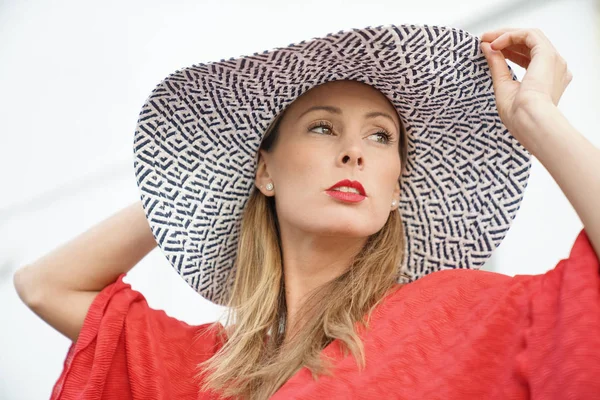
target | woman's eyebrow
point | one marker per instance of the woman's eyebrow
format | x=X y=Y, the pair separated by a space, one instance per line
x=331 y=109
x=336 y=110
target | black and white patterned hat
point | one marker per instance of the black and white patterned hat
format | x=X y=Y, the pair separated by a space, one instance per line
x=198 y=134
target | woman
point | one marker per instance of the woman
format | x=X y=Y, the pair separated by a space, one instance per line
x=334 y=293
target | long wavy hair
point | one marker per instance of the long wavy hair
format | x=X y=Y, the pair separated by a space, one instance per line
x=251 y=363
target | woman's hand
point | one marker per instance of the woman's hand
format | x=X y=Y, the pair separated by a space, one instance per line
x=545 y=80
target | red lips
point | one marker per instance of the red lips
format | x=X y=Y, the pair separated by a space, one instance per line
x=349 y=183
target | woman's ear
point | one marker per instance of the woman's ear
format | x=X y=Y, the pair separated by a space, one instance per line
x=396 y=195
x=262 y=174
x=397 y=190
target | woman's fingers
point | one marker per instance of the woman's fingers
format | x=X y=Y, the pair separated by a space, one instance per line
x=542 y=56
x=493 y=35
x=501 y=76
x=517 y=58
x=520 y=49
x=525 y=39
x=515 y=48
x=513 y=38
x=546 y=71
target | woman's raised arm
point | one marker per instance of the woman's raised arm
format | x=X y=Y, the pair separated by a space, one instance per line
x=61 y=285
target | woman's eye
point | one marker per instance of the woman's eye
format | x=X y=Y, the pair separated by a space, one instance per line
x=325 y=127
x=382 y=136
x=385 y=137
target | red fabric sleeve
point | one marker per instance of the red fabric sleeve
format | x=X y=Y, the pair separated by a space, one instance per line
x=127 y=350
x=561 y=355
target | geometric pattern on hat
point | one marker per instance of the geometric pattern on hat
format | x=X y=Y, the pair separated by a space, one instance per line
x=199 y=131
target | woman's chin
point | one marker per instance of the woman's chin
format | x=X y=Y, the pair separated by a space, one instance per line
x=347 y=230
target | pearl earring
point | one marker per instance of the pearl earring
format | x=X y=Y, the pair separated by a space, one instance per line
x=393 y=203
x=269 y=186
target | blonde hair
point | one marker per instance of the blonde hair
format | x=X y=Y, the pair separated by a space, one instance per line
x=251 y=365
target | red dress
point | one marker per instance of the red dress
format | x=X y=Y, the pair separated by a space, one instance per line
x=453 y=334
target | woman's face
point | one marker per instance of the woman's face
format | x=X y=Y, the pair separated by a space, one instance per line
x=333 y=132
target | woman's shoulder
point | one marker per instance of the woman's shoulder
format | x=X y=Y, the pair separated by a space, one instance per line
x=451 y=296
x=449 y=281
x=469 y=289
x=121 y=311
x=124 y=340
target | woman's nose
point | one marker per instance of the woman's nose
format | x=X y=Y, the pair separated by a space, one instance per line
x=352 y=155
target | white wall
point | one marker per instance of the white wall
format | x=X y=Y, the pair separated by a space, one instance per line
x=74 y=76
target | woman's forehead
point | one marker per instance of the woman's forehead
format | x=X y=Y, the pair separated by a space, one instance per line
x=340 y=89
x=340 y=94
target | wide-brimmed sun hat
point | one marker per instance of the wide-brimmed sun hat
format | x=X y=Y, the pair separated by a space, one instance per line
x=197 y=138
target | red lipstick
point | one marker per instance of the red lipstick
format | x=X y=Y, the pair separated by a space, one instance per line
x=349 y=197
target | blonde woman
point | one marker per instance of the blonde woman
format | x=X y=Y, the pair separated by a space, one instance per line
x=339 y=195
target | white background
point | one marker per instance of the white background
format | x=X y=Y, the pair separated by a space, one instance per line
x=74 y=75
